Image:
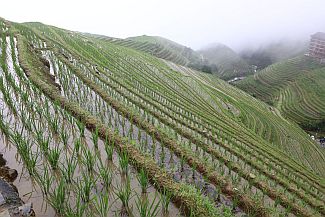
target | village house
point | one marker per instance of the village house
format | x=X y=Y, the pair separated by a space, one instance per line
x=317 y=46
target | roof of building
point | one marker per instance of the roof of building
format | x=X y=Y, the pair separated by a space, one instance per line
x=319 y=35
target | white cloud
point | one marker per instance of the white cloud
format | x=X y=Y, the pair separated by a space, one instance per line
x=193 y=23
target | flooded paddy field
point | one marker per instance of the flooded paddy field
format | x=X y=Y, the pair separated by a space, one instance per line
x=91 y=139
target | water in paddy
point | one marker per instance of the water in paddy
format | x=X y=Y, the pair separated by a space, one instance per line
x=28 y=190
x=181 y=172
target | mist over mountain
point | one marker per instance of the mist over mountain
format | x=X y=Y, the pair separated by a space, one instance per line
x=227 y=61
x=273 y=52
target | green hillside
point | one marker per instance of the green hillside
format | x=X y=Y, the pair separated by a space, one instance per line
x=104 y=130
x=295 y=87
x=159 y=47
x=190 y=56
x=228 y=62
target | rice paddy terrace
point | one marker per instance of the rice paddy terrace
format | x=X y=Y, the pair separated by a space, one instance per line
x=99 y=129
x=295 y=87
x=157 y=46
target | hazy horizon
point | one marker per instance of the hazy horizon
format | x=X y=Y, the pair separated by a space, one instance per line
x=234 y=23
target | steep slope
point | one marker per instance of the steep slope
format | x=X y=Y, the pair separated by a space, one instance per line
x=159 y=47
x=173 y=82
x=212 y=148
x=228 y=62
x=295 y=87
x=189 y=55
x=165 y=49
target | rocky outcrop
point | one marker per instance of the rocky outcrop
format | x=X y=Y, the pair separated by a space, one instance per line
x=10 y=203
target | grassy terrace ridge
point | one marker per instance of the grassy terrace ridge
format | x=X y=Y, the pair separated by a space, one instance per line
x=184 y=195
x=156 y=112
x=295 y=87
x=157 y=46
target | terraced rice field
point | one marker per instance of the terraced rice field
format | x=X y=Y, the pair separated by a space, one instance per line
x=157 y=46
x=295 y=87
x=105 y=130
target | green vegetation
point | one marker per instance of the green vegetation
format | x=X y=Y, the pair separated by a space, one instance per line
x=296 y=88
x=126 y=133
x=164 y=49
x=157 y=46
x=228 y=62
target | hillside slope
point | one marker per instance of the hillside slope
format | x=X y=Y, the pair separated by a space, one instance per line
x=295 y=87
x=209 y=147
x=228 y=62
x=159 y=47
x=184 y=93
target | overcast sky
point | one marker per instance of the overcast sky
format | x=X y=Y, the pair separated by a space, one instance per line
x=192 y=23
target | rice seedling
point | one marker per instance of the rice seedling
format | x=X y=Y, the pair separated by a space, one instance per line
x=109 y=151
x=142 y=177
x=53 y=157
x=45 y=144
x=64 y=137
x=147 y=208
x=32 y=161
x=89 y=159
x=58 y=197
x=80 y=208
x=85 y=186
x=124 y=162
x=54 y=125
x=81 y=128
x=166 y=197
x=109 y=148
x=69 y=169
x=46 y=180
x=77 y=145
x=4 y=127
x=123 y=192
x=95 y=138
x=102 y=204
x=106 y=176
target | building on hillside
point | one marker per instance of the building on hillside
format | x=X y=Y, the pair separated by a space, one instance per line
x=317 y=46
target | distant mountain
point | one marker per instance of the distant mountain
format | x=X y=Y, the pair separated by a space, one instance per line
x=228 y=62
x=273 y=52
